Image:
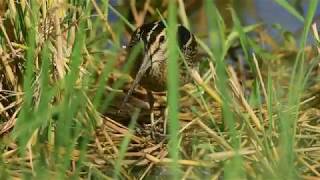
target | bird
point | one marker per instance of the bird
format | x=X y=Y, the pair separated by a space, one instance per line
x=150 y=67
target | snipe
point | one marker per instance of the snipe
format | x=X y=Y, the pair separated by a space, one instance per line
x=150 y=67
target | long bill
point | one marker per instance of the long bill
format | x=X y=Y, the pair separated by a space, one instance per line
x=146 y=63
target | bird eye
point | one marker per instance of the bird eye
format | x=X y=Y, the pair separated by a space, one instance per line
x=161 y=39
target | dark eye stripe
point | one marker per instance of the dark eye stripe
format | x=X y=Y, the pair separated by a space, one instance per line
x=146 y=28
x=156 y=24
x=161 y=39
x=156 y=31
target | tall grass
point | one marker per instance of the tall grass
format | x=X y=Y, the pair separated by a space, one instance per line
x=288 y=121
x=218 y=47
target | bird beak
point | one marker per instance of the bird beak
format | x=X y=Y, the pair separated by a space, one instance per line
x=146 y=63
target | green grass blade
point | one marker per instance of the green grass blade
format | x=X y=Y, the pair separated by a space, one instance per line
x=22 y=130
x=124 y=19
x=173 y=87
x=287 y=6
x=124 y=144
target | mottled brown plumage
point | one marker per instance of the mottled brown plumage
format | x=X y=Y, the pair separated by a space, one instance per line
x=150 y=67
